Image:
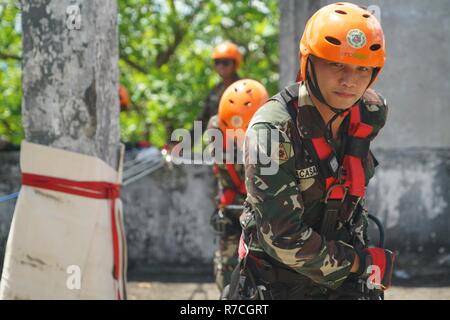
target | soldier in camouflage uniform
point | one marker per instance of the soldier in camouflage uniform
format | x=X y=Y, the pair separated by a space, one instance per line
x=305 y=227
x=227 y=60
x=237 y=106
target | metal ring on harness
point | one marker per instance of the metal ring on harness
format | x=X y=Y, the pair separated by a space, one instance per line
x=219 y=222
x=332 y=188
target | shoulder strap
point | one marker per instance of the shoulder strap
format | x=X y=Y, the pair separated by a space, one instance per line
x=288 y=97
x=238 y=183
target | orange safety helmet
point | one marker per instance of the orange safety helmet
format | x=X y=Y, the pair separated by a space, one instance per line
x=346 y=33
x=123 y=98
x=228 y=50
x=239 y=102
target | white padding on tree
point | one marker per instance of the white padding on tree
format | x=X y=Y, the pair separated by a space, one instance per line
x=60 y=245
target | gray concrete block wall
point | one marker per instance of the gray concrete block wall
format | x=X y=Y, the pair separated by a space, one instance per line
x=167 y=219
x=409 y=193
x=9 y=183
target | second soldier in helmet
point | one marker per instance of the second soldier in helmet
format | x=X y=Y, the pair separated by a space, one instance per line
x=237 y=106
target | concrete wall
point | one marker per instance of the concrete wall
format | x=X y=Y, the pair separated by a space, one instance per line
x=409 y=193
x=167 y=220
x=9 y=183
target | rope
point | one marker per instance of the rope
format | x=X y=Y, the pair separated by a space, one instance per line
x=9 y=197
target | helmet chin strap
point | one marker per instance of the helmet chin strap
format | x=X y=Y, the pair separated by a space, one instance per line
x=315 y=90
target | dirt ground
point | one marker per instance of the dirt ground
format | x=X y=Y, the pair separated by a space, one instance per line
x=158 y=290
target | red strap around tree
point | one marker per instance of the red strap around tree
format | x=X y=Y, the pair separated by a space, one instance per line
x=89 y=189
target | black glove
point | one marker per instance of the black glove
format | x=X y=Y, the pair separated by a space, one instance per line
x=377 y=266
x=224 y=223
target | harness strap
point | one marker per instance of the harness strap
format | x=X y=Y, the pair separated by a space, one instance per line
x=238 y=183
x=230 y=193
x=345 y=179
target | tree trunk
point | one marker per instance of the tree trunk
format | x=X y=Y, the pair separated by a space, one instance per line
x=70 y=76
x=64 y=244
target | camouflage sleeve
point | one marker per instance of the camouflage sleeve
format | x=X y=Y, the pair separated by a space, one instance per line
x=278 y=206
x=210 y=106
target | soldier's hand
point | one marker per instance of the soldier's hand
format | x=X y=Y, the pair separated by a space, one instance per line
x=377 y=265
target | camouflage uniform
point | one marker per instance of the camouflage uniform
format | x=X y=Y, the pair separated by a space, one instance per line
x=225 y=258
x=284 y=211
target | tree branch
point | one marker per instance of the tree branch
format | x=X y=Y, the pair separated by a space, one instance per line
x=132 y=64
x=179 y=32
x=7 y=126
x=233 y=39
x=9 y=56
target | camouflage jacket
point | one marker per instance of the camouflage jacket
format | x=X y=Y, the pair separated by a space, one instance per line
x=284 y=210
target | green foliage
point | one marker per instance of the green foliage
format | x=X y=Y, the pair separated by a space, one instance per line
x=10 y=73
x=165 y=48
x=165 y=57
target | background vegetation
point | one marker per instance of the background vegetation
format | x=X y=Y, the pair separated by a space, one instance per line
x=165 y=64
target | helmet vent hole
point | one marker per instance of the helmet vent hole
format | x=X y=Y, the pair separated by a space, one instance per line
x=333 y=40
x=339 y=4
x=366 y=15
x=375 y=47
x=249 y=91
x=362 y=7
x=340 y=11
x=231 y=101
x=248 y=104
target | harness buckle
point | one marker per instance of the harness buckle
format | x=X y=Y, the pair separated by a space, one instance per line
x=331 y=190
x=340 y=174
x=220 y=222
